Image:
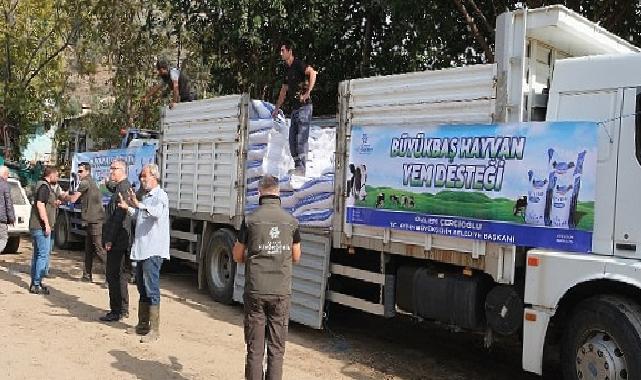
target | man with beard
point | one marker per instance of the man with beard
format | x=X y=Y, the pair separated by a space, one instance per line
x=116 y=235
x=174 y=81
x=43 y=217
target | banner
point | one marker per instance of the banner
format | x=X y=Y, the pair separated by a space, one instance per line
x=524 y=184
x=100 y=162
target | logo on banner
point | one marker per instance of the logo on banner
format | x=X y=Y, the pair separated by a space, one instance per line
x=365 y=147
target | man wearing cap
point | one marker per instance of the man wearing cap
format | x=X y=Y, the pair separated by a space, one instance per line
x=93 y=214
x=174 y=80
x=268 y=243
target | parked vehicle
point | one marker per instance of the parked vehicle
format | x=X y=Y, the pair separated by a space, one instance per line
x=22 y=209
x=580 y=290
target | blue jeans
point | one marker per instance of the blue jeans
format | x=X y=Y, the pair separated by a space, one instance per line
x=299 y=133
x=40 y=258
x=148 y=279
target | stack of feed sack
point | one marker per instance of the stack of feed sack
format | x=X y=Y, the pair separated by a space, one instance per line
x=309 y=198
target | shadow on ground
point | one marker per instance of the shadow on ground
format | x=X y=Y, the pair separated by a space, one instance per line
x=147 y=369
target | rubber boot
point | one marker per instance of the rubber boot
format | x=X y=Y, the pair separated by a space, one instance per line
x=142 y=328
x=154 y=325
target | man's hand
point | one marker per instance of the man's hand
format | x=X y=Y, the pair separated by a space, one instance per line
x=304 y=97
x=47 y=230
x=275 y=112
x=132 y=198
x=108 y=247
x=122 y=203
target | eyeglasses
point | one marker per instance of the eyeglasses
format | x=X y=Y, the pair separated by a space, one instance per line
x=114 y=168
x=81 y=171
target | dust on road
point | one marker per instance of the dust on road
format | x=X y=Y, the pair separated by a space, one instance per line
x=59 y=336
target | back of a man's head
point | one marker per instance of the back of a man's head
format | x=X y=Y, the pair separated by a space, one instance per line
x=4 y=172
x=268 y=185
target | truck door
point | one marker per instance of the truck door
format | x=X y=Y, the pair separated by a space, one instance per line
x=601 y=106
x=627 y=228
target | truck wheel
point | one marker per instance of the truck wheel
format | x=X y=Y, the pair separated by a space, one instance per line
x=220 y=267
x=61 y=231
x=603 y=340
x=12 y=245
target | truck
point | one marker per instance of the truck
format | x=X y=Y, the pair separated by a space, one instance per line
x=554 y=264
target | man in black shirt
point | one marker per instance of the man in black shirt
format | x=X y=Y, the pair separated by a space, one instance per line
x=297 y=87
x=174 y=80
x=43 y=217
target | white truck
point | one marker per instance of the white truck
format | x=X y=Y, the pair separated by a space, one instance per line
x=552 y=66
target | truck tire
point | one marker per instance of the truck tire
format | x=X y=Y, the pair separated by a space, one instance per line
x=603 y=340
x=61 y=231
x=220 y=268
x=13 y=244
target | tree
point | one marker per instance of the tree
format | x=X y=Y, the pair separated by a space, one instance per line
x=34 y=35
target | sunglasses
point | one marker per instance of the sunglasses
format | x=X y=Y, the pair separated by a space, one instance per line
x=81 y=171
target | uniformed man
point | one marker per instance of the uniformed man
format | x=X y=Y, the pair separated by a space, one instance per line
x=93 y=214
x=268 y=244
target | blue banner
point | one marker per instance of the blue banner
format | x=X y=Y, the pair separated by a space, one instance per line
x=100 y=162
x=525 y=184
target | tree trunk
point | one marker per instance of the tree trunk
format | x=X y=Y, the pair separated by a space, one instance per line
x=479 y=14
x=471 y=24
x=367 y=42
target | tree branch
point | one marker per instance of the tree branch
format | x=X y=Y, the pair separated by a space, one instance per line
x=475 y=31
x=72 y=35
x=484 y=21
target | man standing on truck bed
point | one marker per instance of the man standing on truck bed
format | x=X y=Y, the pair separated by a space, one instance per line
x=117 y=233
x=174 y=80
x=93 y=214
x=298 y=84
x=43 y=215
x=7 y=213
x=271 y=239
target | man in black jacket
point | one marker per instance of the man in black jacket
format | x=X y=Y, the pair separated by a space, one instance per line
x=117 y=233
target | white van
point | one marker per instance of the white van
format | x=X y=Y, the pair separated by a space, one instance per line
x=22 y=209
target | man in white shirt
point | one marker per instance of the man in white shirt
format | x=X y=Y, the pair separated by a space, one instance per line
x=150 y=248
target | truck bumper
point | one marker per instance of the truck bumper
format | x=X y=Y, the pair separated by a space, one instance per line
x=535 y=325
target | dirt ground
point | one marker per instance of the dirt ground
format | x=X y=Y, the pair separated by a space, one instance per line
x=59 y=336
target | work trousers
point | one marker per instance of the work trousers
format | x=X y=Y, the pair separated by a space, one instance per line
x=93 y=245
x=118 y=274
x=266 y=319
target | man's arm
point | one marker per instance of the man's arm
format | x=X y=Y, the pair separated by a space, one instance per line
x=281 y=99
x=311 y=74
x=239 y=253
x=153 y=90
x=42 y=213
x=82 y=188
x=296 y=249
x=296 y=253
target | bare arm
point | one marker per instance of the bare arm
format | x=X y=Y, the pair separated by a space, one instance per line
x=239 y=253
x=281 y=99
x=311 y=73
x=296 y=252
x=152 y=91
x=176 y=98
x=74 y=197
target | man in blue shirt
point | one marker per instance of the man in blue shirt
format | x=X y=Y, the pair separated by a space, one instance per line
x=150 y=248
